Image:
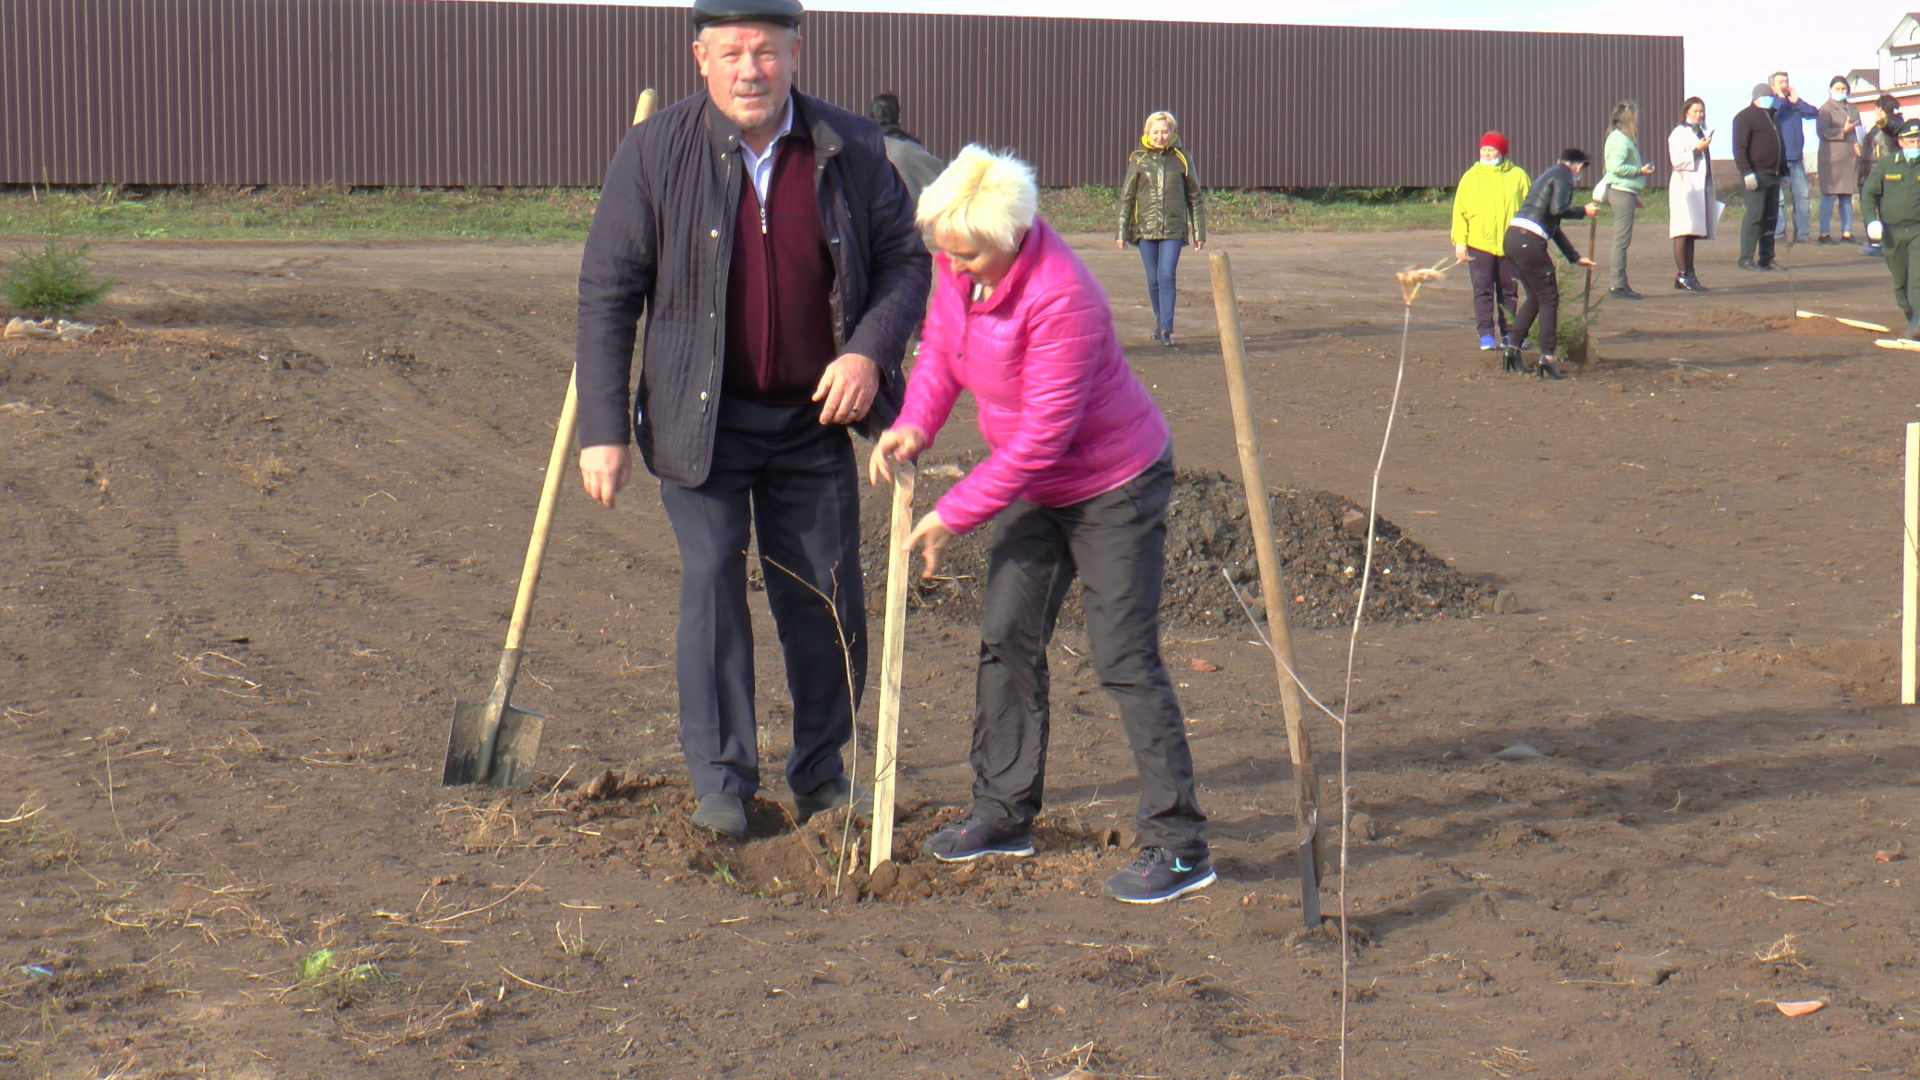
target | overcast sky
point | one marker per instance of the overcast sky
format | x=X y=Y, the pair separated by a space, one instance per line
x=1729 y=46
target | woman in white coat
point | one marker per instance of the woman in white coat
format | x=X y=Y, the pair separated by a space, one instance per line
x=1690 y=191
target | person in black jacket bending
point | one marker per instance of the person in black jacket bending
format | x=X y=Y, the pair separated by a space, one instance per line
x=1761 y=159
x=773 y=252
x=1549 y=202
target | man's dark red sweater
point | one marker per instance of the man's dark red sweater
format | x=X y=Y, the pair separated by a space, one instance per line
x=779 y=293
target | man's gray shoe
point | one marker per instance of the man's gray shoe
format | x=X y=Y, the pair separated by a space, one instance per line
x=722 y=812
x=833 y=795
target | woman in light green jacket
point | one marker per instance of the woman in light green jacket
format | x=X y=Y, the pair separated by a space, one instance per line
x=1625 y=178
x=1490 y=193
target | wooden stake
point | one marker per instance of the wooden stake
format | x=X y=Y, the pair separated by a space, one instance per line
x=1306 y=787
x=893 y=639
x=1857 y=323
x=1910 y=568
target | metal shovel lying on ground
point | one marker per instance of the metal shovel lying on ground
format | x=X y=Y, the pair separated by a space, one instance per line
x=493 y=741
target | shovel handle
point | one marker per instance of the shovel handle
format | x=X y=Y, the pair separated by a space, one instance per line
x=543 y=518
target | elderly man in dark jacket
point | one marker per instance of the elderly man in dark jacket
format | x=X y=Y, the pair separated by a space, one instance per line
x=773 y=253
x=1761 y=159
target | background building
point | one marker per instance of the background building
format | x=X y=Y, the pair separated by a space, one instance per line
x=405 y=92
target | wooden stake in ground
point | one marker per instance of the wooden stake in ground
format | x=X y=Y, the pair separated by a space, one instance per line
x=1306 y=780
x=892 y=652
x=1910 y=568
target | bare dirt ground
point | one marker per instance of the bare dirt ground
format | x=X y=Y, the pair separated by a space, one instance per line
x=262 y=530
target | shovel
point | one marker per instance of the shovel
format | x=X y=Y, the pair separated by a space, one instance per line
x=494 y=742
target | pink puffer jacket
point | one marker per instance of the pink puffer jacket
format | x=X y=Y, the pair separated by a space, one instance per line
x=1063 y=414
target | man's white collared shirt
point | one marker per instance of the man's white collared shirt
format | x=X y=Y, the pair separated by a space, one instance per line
x=760 y=166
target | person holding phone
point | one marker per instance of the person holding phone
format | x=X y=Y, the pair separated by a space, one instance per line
x=1626 y=177
x=1693 y=215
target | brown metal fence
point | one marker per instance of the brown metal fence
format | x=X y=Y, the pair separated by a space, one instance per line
x=431 y=92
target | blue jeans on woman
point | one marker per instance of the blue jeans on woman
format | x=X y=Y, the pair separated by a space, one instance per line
x=1161 y=257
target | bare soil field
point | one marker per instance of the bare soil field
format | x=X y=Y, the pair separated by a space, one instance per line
x=263 y=528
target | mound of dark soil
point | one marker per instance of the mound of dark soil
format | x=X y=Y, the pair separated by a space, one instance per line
x=1321 y=539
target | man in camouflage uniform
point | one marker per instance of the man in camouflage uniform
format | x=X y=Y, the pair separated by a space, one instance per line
x=1890 y=201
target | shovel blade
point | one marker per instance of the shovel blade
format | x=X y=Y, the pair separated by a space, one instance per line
x=505 y=760
x=1309 y=858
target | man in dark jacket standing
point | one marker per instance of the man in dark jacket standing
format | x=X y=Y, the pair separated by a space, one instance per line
x=1791 y=114
x=1761 y=161
x=773 y=253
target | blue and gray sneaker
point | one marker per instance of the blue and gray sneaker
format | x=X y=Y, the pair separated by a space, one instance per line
x=1486 y=342
x=1157 y=874
x=973 y=836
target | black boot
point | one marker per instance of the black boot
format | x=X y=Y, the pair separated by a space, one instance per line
x=1693 y=282
x=1510 y=360
x=1549 y=368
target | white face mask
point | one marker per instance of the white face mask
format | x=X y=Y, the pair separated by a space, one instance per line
x=1838 y=95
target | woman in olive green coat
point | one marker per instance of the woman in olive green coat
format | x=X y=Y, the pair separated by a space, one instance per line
x=1160 y=211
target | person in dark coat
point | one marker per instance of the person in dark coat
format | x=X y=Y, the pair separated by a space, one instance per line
x=1549 y=202
x=772 y=251
x=916 y=164
x=1761 y=160
x=1878 y=143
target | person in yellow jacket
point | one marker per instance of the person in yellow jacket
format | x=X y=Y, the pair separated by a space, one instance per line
x=1490 y=193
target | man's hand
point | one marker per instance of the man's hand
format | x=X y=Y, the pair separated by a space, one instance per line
x=1874 y=231
x=1584 y=261
x=847 y=389
x=1752 y=182
x=1460 y=253
x=931 y=536
x=1593 y=209
x=604 y=470
x=894 y=444
x=1119 y=244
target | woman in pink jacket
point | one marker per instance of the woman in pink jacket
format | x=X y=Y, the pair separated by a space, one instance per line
x=1079 y=474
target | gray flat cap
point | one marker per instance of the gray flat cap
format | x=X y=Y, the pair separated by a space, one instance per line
x=779 y=12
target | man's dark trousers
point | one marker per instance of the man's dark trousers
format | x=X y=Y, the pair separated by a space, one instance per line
x=1117 y=544
x=1756 y=229
x=778 y=470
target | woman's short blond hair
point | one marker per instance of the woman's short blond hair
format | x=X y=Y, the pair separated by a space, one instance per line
x=1172 y=124
x=985 y=197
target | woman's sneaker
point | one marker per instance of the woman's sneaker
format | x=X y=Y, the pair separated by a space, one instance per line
x=973 y=836
x=1157 y=874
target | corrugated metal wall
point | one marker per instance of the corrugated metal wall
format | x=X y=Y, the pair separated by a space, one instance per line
x=442 y=92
